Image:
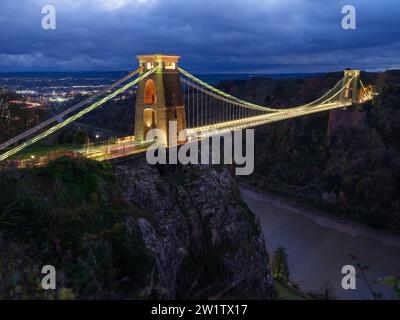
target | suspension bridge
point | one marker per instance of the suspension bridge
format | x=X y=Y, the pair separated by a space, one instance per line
x=166 y=92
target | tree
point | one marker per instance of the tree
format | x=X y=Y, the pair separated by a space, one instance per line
x=16 y=117
x=280 y=267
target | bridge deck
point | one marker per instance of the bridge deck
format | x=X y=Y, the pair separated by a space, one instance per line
x=222 y=127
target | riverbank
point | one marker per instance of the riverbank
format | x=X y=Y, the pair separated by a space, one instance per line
x=319 y=246
x=349 y=227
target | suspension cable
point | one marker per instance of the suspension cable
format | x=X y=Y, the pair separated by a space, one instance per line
x=241 y=103
x=61 y=115
x=225 y=94
x=75 y=117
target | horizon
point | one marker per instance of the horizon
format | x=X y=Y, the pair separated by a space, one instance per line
x=209 y=73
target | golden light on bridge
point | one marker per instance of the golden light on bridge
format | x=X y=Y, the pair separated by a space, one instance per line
x=208 y=108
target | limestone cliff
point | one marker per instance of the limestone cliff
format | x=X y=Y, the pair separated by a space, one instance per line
x=205 y=240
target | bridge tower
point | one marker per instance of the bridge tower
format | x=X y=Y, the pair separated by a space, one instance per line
x=352 y=90
x=159 y=97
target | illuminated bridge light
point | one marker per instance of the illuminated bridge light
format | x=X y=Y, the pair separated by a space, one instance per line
x=208 y=110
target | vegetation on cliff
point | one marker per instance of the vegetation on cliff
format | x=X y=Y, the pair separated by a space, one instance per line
x=354 y=174
x=15 y=117
x=70 y=215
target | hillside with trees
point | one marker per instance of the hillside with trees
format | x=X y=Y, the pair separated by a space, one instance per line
x=16 y=117
x=354 y=173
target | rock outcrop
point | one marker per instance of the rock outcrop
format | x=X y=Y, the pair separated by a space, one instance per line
x=206 y=242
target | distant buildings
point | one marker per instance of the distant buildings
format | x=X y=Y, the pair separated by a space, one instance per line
x=48 y=90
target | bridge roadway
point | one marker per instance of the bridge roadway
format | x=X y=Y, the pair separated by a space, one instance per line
x=220 y=128
x=105 y=152
x=102 y=152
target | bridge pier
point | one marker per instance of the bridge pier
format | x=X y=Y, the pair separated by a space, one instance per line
x=356 y=115
x=159 y=98
x=353 y=117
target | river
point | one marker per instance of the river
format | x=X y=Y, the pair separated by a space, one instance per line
x=318 y=246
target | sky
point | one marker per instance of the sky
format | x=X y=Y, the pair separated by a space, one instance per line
x=211 y=36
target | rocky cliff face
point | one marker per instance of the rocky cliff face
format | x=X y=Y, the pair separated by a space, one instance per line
x=205 y=240
x=129 y=231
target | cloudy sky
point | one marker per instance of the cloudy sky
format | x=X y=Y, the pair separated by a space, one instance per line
x=219 y=36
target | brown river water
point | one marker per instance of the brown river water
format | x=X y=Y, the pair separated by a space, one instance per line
x=318 y=246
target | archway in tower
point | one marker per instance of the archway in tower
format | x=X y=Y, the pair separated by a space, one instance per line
x=150 y=97
x=149 y=120
x=149 y=114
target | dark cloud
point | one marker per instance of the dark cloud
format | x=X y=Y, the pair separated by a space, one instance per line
x=211 y=36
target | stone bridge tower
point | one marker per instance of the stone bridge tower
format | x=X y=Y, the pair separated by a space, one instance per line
x=159 y=97
x=352 y=90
